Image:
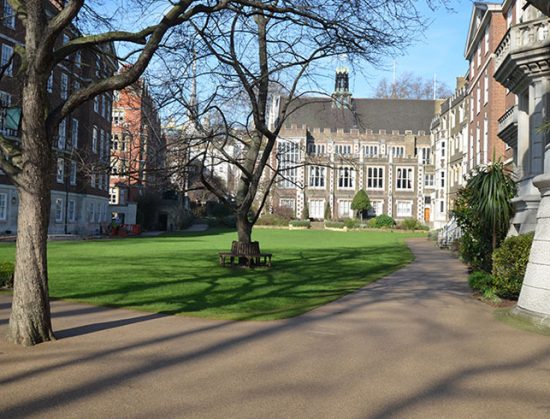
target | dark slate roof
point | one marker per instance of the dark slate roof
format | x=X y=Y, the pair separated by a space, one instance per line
x=363 y=114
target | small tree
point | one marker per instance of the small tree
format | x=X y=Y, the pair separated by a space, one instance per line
x=361 y=203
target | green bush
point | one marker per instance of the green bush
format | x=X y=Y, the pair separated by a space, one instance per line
x=186 y=220
x=381 y=221
x=334 y=224
x=411 y=224
x=300 y=223
x=480 y=281
x=6 y=274
x=474 y=252
x=352 y=223
x=509 y=264
x=272 y=220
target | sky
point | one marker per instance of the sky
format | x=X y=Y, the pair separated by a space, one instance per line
x=440 y=52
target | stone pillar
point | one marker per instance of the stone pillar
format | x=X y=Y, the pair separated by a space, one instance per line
x=534 y=299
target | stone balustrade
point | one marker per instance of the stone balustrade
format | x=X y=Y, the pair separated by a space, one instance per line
x=527 y=35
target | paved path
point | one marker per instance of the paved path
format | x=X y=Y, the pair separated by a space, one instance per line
x=413 y=345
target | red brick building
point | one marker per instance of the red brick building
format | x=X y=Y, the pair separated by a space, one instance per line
x=137 y=150
x=487 y=98
x=79 y=179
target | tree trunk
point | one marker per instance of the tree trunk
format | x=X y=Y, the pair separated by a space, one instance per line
x=30 y=315
x=244 y=228
x=30 y=321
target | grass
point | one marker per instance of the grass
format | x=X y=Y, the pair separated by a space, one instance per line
x=180 y=274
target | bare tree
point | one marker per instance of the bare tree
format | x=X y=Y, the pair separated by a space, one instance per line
x=411 y=86
x=29 y=162
x=245 y=51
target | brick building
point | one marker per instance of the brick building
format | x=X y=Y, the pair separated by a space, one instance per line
x=79 y=180
x=330 y=148
x=137 y=150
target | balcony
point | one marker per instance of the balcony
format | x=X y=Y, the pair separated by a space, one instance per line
x=523 y=53
x=508 y=126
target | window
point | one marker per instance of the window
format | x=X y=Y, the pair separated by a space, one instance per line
x=7 y=53
x=97 y=67
x=92 y=180
x=101 y=144
x=114 y=142
x=429 y=180
x=71 y=211
x=3 y=206
x=74 y=133
x=287 y=203
x=425 y=154
x=486 y=41
x=50 y=83
x=72 y=174
x=442 y=179
x=288 y=155
x=346 y=176
x=377 y=207
x=479 y=56
x=370 y=150
x=64 y=86
x=62 y=135
x=76 y=85
x=94 y=139
x=478 y=99
x=486 y=88
x=103 y=106
x=316 y=177
x=9 y=16
x=113 y=196
x=66 y=39
x=404 y=178
x=375 y=178
x=317 y=208
x=442 y=206
x=118 y=117
x=404 y=208
x=60 y=175
x=96 y=104
x=443 y=148
x=317 y=149
x=398 y=151
x=78 y=58
x=342 y=149
x=344 y=209
x=58 y=210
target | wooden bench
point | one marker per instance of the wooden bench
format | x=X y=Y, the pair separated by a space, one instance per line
x=246 y=254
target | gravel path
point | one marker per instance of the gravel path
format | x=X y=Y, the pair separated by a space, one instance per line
x=413 y=345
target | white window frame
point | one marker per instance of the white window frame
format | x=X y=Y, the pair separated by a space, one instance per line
x=370 y=150
x=398 y=151
x=64 y=91
x=375 y=177
x=3 y=206
x=7 y=53
x=73 y=173
x=346 y=177
x=316 y=208
x=375 y=204
x=71 y=209
x=344 y=208
x=94 y=139
x=8 y=18
x=60 y=173
x=399 y=206
x=287 y=203
x=404 y=178
x=74 y=133
x=317 y=177
x=58 y=210
x=62 y=135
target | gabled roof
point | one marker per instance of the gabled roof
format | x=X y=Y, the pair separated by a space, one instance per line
x=481 y=12
x=363 y=114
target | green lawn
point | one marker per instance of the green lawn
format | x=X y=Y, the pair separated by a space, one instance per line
x=180 y=274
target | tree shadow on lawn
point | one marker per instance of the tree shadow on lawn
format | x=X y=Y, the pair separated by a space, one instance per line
x=297 y=283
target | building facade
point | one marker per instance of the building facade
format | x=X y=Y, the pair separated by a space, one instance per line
x=523 y=67
x=137 y=154
x=79 y=177
x=330 y=148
